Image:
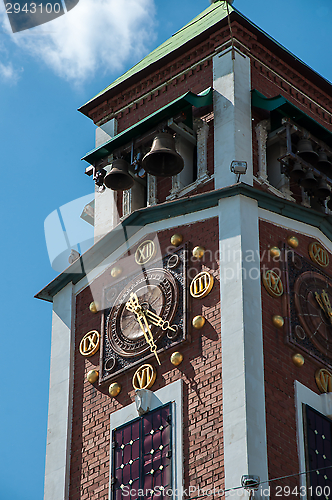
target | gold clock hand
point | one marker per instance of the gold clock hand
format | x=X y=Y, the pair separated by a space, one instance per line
x=158 y=321
x=133 y=305
x=327 y=303
x=319 y=300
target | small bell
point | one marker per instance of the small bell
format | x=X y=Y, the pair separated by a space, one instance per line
x=297 y=172
x=323 y=190
x=323 y=163
x=306 y=152
x=118 y=178
x=309 y=182
x=316 y=204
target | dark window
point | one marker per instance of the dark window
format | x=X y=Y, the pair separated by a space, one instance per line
x=142 y=452
x=319 y=454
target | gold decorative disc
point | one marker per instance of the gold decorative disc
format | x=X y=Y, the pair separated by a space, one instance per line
x=145 y=252
x=201 y=285
x=89 y=344
x=323 y=379
x=318 y=254
x=273 y=283
x=144 y=377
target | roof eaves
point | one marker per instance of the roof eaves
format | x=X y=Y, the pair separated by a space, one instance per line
x=140 y=218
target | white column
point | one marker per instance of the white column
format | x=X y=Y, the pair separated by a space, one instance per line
x=106 y=212
x=261 y=134
x=232 y=117
x=244 y=425
x=60 y=397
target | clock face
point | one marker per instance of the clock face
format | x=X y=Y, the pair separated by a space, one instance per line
x=313 y=299
x=145 y=313
x=156 y=293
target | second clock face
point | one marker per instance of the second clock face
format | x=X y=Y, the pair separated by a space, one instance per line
x=313 y=300
x=155 y=293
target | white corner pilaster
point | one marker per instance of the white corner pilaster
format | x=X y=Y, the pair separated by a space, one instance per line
x=232 y=117
x=244 y=424
x=60 y=397
x=202 y=138
x=106 y=212
x=151 y=190
x=262 y=134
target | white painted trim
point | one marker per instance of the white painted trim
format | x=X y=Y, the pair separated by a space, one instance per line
x=60 y=397
x=319 y=402
x=244 y=426
x=174 y=222
x=171 y=393
x=292 y=224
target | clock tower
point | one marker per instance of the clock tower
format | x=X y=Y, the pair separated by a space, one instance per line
x=192 y=343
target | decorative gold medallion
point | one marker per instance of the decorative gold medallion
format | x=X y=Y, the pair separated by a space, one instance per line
x=94 y=307
x=176 y=358
x=201 y=285
x=114 y=389
x=273 y=283
x=278 y=321
x=116 y=272
x=89 y=344
x=92 y=376
x=293 y=241
x=198 y=322
x=323 y=380
x=298 y=360
x=198 y=252
x=275 y=252
x=318 y=254
x=145 y=252
x=144 y=377
x=176 y=239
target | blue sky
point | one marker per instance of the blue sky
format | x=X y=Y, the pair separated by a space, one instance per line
x=46 y=73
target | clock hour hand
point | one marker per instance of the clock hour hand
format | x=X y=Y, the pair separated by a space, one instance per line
x=158 y=321
x=133 y=306
x=324 y=302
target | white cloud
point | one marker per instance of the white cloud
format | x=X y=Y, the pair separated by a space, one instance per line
x=95 y=36
x=8 y=73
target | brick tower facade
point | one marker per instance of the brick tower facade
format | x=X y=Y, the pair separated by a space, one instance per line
x=192 y=343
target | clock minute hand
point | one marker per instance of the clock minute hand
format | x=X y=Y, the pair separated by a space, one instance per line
x=133 y=306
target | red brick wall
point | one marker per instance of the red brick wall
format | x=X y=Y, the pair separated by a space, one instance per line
x=200 y=371
x=279 y=371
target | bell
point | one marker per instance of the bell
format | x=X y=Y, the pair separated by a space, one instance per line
x=118 y=178
x=323 y=190
x=305 y=151
x=323 y=163
x=297 y=172
x=162 y=160
x=329 y=204
x=316 y=204
x=309 y=182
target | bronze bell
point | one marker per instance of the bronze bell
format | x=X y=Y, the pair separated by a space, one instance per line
x=316 y=204
x=329 y=204
x=323 y=163
x=162 y=160
x=309 y=182
x=323 y=190
x=118 y=178
x=306 y=152
x=297 y=172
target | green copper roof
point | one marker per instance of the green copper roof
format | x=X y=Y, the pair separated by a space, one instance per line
x=210 y=16
x=284 y=108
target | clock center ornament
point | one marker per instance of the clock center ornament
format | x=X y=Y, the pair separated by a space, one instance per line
x=146 y=312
